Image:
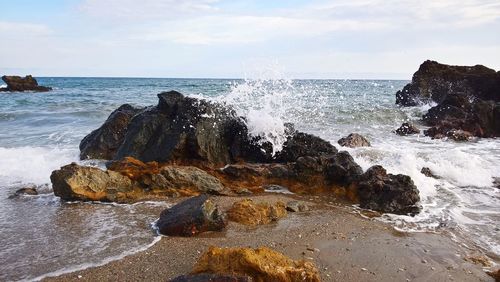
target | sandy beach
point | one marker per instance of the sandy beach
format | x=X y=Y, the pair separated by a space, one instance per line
x=344 y=245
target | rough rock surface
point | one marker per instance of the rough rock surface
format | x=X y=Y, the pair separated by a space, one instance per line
x=434 y=82
x=249 y=213
x=206 y=277
x=262 y=264
x=390 y=193
x=19 y=84
x=103 y=142
x=407 y=129
x=296 y=206
x=354 y=140
x=191 y=217
x=130 y=181
x=468 y=100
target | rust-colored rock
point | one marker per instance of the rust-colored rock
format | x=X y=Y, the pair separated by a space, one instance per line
x=262 y=264
x=250 y=213
x=495 y=274
x=207 y=277
x=20 y=84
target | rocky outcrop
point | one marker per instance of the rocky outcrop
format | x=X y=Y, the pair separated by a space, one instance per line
x=262 y=264
x=20 y=84
x=206 y=277
x=433 y=82
x=191 y=217
x=407 y=129
x=130 y=181
x=249 y=213
x=384 y=192
x=103 y=142
x=468 y=100
x=354 y=140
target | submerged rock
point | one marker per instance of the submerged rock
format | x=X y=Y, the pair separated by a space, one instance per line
x=262 y=264
x=390 y=193
x=19 y=84
x=407 y=129
x=428 y=172
x=191 y=217
x=354 y=140
x=207 y=277
x=103 y=142
x=24 y=191
x=249 y=213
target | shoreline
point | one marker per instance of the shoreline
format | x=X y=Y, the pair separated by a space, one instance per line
x=344 y=246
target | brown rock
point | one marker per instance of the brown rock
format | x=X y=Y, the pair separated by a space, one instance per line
x=262 y=264
x=191 y=217
x=354 y=140
x=24 y=191
x=19 y=84
x=249 y=213
x=495 y=274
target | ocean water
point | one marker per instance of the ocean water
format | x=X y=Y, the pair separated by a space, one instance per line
x=40 y=132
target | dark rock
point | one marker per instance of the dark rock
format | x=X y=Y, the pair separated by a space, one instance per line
x=434 y=82
x=468 y=100
x=407 y=129
x=207 y=277
x=304 y=145
x=24 y=191
x=19 y=84
x=190 y=217
x=341 y=169
x=103 y=142
x=428 y=172
x=496 y=182
x=390 y=193
x=354 y=140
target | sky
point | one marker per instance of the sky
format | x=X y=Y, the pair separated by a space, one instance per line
x=365 y=39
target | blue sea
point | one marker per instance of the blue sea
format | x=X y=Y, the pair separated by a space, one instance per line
x=39 y=132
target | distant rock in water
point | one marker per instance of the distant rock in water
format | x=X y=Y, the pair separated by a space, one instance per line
x=468 y=100
x=24 y=191
x=428 y=172
x=407 y=129
x=433 y=82
x=20 y=84
x=354 y=140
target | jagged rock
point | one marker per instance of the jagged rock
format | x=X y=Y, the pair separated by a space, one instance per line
x=428 y=172
x=262 y=264
x=130 y=181
x=249 y=213
x=206 y=277
x=354 y=140
x=304 y=145
x=19 y=84
x=434 y=82
x=191 y=217
x=390 y=193
x=468 y=100
x=407 y=129
x=103 y=142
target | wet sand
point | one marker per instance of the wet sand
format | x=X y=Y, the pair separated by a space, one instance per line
x=343 y=245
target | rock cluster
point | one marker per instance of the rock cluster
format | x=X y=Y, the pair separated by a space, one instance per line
x=468 y=100
x=185 y=146
x=20 y=84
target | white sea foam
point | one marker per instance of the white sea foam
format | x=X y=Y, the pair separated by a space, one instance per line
x=100 y=263
x=32 y=164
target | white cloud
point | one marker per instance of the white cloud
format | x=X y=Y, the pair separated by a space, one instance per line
x=226 y=29
x=16 y=29
x=130 y=10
